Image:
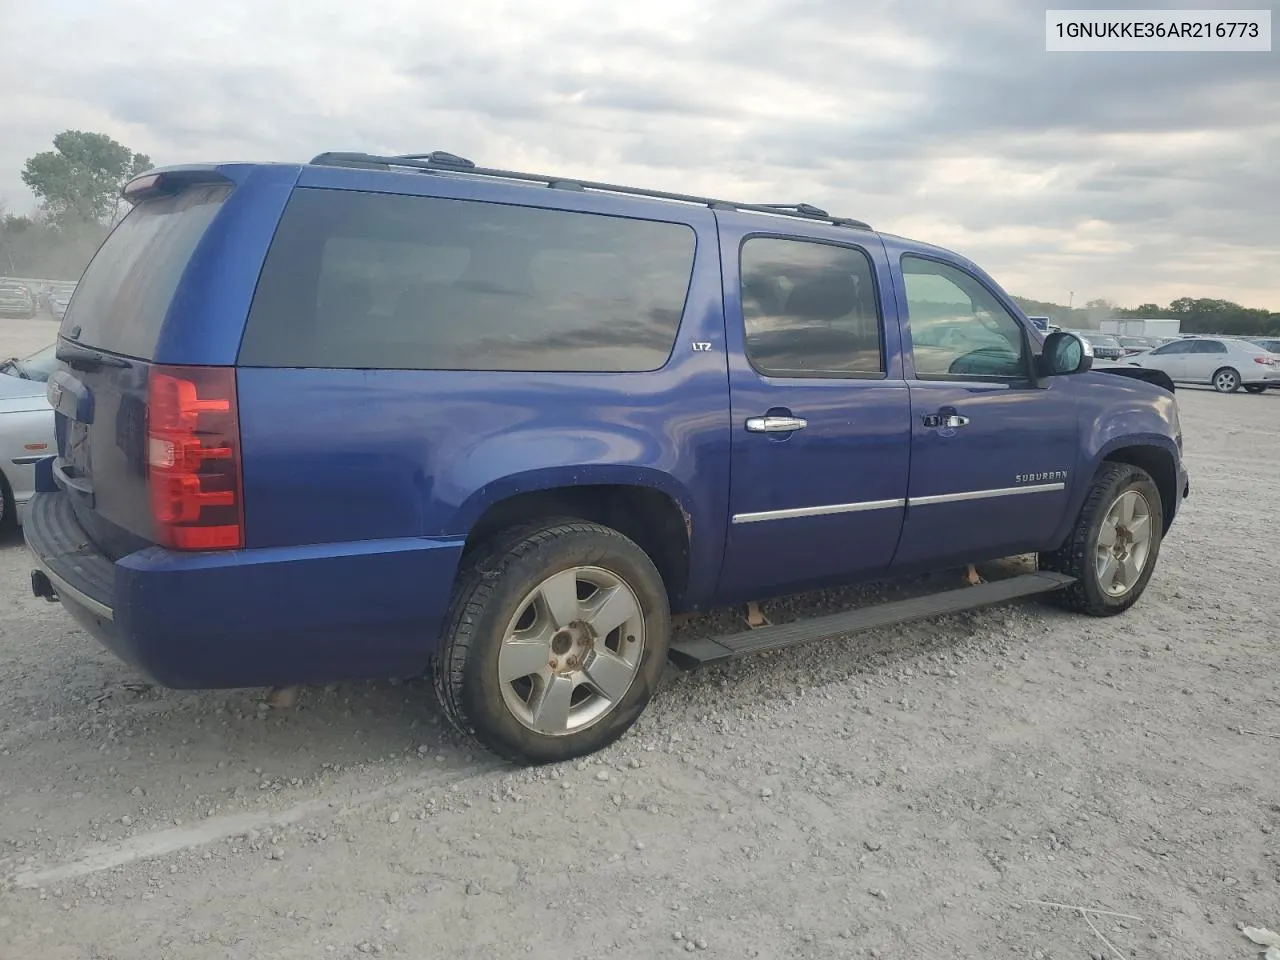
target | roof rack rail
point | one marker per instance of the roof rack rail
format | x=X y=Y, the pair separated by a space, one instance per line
x=439 y=160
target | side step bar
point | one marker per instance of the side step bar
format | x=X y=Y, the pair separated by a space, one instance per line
x=710 y=650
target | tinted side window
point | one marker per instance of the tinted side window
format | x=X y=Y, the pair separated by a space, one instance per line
x=809 y=309
x=958 y=328
x=1211 y=346
x=364 y=280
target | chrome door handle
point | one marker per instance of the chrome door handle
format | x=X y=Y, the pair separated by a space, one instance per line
x=953 y=420
x=775 y=424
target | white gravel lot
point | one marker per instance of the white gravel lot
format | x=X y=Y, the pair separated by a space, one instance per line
x=907 y=794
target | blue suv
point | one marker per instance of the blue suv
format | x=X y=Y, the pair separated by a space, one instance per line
x=369 y=417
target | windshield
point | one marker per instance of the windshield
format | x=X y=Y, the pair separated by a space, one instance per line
x=38 y=366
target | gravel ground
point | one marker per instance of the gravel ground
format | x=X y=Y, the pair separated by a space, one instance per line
x=908 y=794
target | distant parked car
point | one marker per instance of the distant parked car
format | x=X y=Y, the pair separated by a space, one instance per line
x=1226 y=363
x=1133 y=345
x=59 y=297
x=1270 y=344
x=1104 y=345
x=16 y=300
x=26 y=429
x=36 y=367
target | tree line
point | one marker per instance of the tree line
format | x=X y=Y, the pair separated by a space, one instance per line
x=1197 y=315
x=79 y=181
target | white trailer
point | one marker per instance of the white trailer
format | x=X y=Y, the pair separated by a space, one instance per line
x=1156 y=327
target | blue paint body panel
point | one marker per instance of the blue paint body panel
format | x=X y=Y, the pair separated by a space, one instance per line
x=855 y=449
x=362 y=486
x=1018 y=431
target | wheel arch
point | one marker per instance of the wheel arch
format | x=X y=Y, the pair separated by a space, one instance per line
x=656 y=517
x=1227 y=366
x=1157 y=461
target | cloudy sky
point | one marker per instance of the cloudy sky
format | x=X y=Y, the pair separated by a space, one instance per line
x=1132 y=177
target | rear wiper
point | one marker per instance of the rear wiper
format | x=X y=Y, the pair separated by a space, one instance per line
x=86 y=358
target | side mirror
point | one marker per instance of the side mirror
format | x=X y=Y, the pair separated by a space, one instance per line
x=1064 y=354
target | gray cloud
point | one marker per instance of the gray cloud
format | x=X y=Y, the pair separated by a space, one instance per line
x=1134 y=177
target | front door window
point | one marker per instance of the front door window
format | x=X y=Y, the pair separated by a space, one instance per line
x=958 y=328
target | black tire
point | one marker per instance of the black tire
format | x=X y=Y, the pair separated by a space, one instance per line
x=8 y=509
x=1075 y=557
x=1226 y=380
x=490 y=592
x=1254 y=388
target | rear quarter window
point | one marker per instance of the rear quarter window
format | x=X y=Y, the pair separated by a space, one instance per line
x=382 y=281
x=121 y=301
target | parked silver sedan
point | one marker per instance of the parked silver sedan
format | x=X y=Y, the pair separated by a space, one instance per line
x=1225 y=363
x=26 y=429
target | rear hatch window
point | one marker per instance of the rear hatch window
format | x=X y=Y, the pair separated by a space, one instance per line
x=121 y=301
x=108 y=342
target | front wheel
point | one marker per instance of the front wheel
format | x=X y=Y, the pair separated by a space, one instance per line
x=1113 y=548
x=1255 y=388
x=1226 y=380
x=556 y=642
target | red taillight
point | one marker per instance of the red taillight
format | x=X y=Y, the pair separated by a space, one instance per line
x=193 y=458
x=1265 y=361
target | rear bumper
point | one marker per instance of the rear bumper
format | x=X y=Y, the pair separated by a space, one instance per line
x=248 y=618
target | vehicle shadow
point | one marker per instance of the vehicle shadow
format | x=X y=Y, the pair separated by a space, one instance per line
x=84 y=724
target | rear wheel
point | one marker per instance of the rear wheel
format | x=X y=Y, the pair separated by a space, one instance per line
x=1254 y=388
x=1226 y=380
x=1113 y=549
x=556 y=642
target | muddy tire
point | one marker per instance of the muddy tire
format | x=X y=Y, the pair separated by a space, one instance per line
x=1113 y=548
x=555 y=643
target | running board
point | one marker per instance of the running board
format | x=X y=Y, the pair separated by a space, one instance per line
x=709 y=650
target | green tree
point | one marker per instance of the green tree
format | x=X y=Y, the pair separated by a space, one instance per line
x=36 y=247
x=80 y=179
x=1143 y=311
